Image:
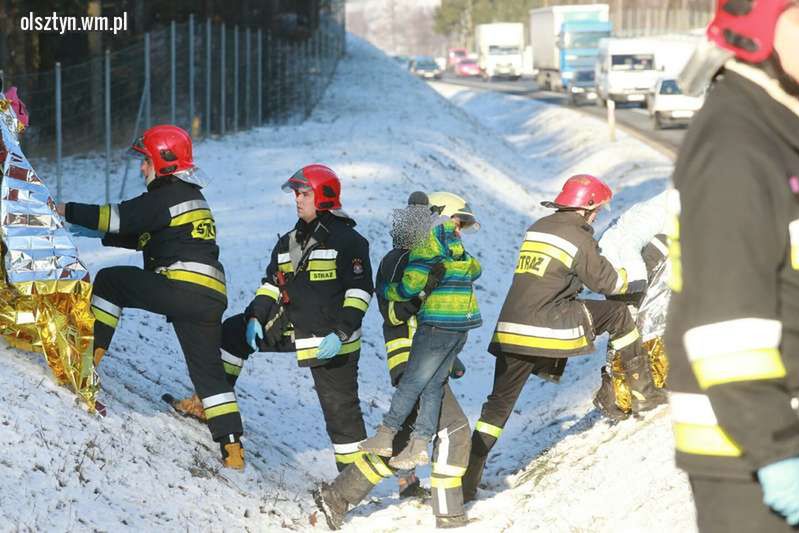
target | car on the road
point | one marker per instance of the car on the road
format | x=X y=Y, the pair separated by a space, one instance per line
x=466 y=68
x=582 y=88
x=426 y=67
x=455 y=56
x=668 y=105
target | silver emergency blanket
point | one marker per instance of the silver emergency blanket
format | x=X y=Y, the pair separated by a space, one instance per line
x=45 y=289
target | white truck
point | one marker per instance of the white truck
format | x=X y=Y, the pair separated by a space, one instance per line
x=626 y=70
x=565 y=40
x=499 y=49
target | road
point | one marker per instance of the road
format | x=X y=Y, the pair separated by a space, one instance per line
x=633 y=119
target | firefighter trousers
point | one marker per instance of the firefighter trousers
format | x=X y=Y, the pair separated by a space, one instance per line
x=450 y=455
x=726 y=505
x=196 y=318
x=336 y=384
x=511 y=373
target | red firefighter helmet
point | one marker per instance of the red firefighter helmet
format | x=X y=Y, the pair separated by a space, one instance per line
x=582 y=191
x=324 y=183
x=168 y=147
x=746 y=27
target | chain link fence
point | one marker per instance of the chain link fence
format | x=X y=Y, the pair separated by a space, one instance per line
x=209 y=78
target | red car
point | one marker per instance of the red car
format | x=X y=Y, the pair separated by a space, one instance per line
x=467 y=67
x=455 y=56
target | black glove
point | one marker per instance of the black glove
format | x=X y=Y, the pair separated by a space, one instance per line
x=437 y=273
x=273 y=330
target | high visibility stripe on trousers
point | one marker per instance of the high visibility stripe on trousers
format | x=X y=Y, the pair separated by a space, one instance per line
x=347 y=453
x=220 y=404
x=446 y=479
x=105 y=312
x=696 y=429
x=373 y=468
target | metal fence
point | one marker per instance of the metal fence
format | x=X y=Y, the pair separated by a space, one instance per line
x=210 y=79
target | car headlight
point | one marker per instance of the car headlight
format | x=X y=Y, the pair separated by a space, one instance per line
x=577 y=89
x=571 y=57
x=567 y=75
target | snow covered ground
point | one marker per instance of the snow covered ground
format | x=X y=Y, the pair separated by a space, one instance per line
x=558 y=465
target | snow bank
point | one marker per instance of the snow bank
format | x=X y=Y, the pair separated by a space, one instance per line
x=558 y=466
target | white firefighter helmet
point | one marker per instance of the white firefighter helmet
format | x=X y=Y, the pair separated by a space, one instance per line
x=451 y=205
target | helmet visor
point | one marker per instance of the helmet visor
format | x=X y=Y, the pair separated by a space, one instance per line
x=137 y=150
x=297 y=183
x=467 y=222
x=194 y=175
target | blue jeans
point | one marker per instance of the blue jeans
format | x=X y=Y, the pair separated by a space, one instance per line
x=432 y=354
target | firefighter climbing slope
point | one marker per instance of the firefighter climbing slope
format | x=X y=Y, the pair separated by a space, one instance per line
x=182 y=277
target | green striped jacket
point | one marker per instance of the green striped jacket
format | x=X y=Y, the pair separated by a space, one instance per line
x=453 y=304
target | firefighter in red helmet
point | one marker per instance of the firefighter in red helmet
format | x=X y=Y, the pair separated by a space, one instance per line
x=312 y=300
x=542 y=322
x=172 y=225
x=732 y=333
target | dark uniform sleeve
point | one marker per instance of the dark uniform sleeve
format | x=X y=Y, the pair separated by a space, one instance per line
x=596 y=272
x=355 y=272
x=265 y=302
x=654 y=253
x=145 y=213
x=731 y=254
x=121 y=241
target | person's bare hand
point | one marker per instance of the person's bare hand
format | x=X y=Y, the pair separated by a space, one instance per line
x=61 y=209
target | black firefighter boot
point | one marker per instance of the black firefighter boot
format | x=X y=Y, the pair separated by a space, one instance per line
x=331 y=504
x=605 y=398
x=645 y=395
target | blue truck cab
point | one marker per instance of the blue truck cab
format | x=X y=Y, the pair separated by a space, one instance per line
x=578 y=42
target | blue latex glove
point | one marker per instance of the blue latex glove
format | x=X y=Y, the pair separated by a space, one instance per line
x=254 y=331
x=780 y=482
x=329 y=347
x=80 y=231
x=458 y=369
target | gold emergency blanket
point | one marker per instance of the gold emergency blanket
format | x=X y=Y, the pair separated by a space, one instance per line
x=45 y=290
x=651 y=323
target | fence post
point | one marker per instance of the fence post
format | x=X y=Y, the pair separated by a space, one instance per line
x=612 y=119
x=236 y=66
x=222 y=80
x=107 y=125
x=247 y=78
x=208 y=29
x=58 y=132
x=194 y=130
x=260 y=74
x=172 y=73
x=147 y=101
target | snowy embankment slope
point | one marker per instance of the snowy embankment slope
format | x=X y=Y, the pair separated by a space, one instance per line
x=558 y=466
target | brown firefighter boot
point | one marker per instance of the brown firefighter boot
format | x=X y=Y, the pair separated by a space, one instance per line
x=191 y=407
x=605 y=398
x=645 y=395
x=232 y=452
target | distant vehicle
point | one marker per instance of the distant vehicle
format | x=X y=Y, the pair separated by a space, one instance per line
x=499 y=49
x=668 y=105
x=565 y=40
x=455 y=56
x=466 y=68
x=426 y=67
x=625 y=70
x=582 y=87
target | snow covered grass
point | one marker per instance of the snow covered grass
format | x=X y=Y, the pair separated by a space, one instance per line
x=557 y=467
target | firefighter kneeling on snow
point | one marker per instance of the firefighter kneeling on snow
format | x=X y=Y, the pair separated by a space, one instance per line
x=542 y=322
x=182 y=278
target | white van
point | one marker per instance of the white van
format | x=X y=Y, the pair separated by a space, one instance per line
x=625 y=70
